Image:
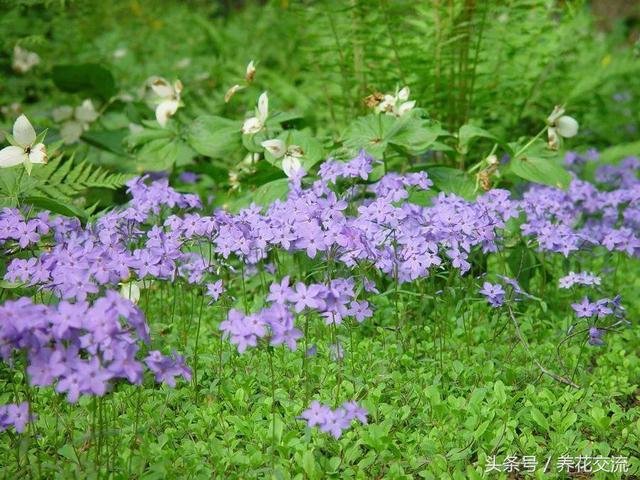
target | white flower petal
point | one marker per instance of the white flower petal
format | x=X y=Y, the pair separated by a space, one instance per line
x=567 y=126
x=162 y=88
x=38 y=154
x=130 y=291
x=250 y=73
x=166 y=109
x=263 y=107
x=252 y=125
x=406 y=107
x=558 y=111
x=275 y=147
x=71 y=131
x=554 y=140
x=291 y=165
x=23 y=131
x=11 y=156
x=403 y=95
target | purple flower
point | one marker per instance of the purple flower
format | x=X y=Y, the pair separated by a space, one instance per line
x=214 y=290
x=584 y=309
x=595 y=336
x=494 y=292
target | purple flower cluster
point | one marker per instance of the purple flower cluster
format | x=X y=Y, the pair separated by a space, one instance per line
x=81 y=347
x=582 y=278
x=335 y=421
x=14 y=415
x=334 y=302
x=496 y=292
x=584 y=217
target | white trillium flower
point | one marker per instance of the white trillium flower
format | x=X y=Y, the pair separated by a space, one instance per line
x=168 y=98
x=397 y=104
x=255 y=124
x=76 y=120
x=24 y=149
x=560 y=125
x=292 y=154
x=24 y=60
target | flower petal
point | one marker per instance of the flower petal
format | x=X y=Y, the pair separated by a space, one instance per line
x=61 y=113
x=252 y=125
x=275 y=147
x=162 y=88
x=406 y=107
x=11 y=156
x=291 y=165
x=38 y=154
x=263 y=107
x=166 y=109
x=23 y=131
x=86 y=112
x=567 y=126
x=403 y=95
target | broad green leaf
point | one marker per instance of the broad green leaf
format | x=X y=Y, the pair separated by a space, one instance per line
x=468 y=133
x=452 y=180
x=547 y=171
x=415 y=135
x=109 y=140
x=370 y=133
x=88 y=78
x=214 y=136
x=56 y=206
x=162 y=154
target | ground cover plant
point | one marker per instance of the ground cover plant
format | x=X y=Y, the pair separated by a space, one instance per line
x=391 y=241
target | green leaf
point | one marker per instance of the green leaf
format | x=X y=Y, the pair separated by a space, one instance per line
x=368 y=133
x=108 y=140
x=88 y=78
x=539 y=418
x=269 y=192
x=214 y=136
x=452 y=180
x=56 y=206
x=415 y=135
x=309 y=463
x=547 y=171
x=162 y=154
x=468 y=133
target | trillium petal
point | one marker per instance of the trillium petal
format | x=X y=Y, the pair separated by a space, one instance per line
x=567 y=126
x=554 y=140
x=558 y=111
x=275 y=147
x=291 y=165
x=166 y=109
x=11 y=156
x=406 y=107
x=263 y=107
x=403 y=95
x=38 y=154
x=23 y=131
x=162 y=88
x=251 y=125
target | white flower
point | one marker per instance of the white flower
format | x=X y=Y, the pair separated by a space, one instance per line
x=560 y=125
x=250 y=73
x=277 y=148
x=168 y=98
x=76 y=120
x=24 y=149
x=184 y=63
x=397 y=104
x=255 y=124
x=24 y=60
